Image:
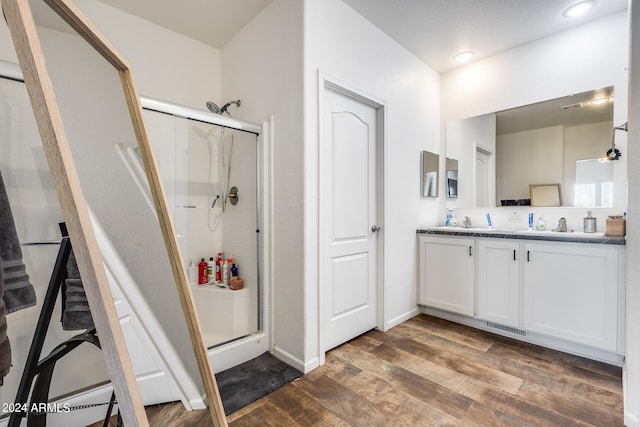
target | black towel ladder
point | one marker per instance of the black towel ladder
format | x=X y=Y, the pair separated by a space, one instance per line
x=41 y=370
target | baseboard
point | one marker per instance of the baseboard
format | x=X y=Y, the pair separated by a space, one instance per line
x=295 y=362
x=631 y=420
x=400 y=319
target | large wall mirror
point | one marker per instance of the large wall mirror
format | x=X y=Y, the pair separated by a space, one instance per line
x=99 y=108
x=561 y=142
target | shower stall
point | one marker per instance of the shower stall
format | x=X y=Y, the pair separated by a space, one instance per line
x=210 y=168
x=202 y=156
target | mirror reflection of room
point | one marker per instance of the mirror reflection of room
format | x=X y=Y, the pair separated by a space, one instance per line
x=562 y=140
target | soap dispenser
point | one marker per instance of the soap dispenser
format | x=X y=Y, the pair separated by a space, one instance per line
x=452 y=221
x=540 y=223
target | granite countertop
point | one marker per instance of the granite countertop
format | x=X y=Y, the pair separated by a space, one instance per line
x=553 y=236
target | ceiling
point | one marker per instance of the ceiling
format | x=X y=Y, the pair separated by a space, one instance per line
x=433 y=30
x=572 y=110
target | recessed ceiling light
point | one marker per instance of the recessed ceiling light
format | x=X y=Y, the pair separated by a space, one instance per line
x=579 y=8
x=463 y=57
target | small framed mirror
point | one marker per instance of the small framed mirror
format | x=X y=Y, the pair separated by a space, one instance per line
x=430 y=163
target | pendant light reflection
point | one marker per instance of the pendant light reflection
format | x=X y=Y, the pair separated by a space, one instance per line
x=613 y=153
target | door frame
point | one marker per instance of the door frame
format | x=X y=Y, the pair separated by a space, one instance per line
x=326 y=82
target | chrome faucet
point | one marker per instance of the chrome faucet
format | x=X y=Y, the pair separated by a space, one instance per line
x=467 y=222
x=562 y=225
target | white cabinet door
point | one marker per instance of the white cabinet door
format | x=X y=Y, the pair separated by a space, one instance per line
x=571 y=292
x=447 y=274
x=499 y=281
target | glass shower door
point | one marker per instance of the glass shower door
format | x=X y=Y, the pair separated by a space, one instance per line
x=210 y=175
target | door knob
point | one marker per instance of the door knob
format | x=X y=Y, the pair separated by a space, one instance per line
x=375 y=228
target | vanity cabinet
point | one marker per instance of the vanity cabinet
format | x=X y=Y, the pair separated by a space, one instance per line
x=572 y=292
x=499 y=281
x=447 y=274
x=565 y=294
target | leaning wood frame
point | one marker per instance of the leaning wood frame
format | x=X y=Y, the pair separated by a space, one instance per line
x=72 y=202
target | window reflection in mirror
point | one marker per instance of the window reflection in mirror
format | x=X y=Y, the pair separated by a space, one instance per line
x=594 y=183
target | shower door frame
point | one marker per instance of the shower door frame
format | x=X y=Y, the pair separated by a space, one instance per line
x=181 y=111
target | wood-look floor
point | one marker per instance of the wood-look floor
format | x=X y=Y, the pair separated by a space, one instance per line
x=431 y=372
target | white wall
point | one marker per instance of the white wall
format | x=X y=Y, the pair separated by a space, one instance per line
x=591 y=56
x=469 y=134
x=632 y=362
x=165 y=64
x=263 y=67
x=528 y=157
x=341 y=44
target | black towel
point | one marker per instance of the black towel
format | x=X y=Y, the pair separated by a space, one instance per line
x=75 y=314
x=18 y=291
x=5 y=346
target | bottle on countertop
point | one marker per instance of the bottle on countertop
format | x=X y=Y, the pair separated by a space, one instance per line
x=539 y=223
x=531 y=221
x=202 y=272
x=451 y=219
x=589 y=223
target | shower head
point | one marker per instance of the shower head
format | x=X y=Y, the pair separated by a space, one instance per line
x=213 y=107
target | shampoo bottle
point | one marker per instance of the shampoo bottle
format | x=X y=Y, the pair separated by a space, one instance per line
x=219 y=268
x=211 y=270
x=225 y=273
x=202 y=272
x=234 y=271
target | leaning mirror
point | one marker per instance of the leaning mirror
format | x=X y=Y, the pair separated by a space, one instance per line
x=91 y=107
x=430 y=163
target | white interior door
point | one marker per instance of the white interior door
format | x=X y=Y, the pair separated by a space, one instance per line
x=350 y=232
